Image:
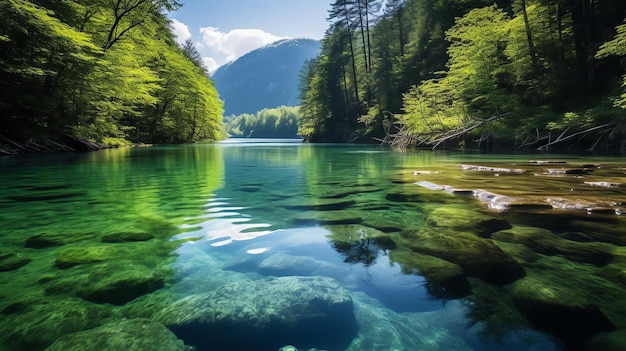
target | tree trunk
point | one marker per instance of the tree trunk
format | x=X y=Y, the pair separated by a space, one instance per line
x=529 y=36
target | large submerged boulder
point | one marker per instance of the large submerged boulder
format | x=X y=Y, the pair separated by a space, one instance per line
x=309 y=312
x=132 y=334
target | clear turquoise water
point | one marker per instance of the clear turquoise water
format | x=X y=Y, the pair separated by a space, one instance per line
x=186 y=220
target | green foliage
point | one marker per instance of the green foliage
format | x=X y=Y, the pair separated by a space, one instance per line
x=476 y=69
x=616 y=47
x=572 y=120
x=432 y=108
x=106 y=71
x=279 y=122
x=437 y=65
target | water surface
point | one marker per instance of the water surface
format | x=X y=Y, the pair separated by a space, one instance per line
x=437 y=250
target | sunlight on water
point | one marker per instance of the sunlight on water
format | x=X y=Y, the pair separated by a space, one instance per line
x=223 y=225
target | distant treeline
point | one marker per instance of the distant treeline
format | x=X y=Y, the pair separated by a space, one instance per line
x=106 y=71
x=279 y=122
x=428 y=71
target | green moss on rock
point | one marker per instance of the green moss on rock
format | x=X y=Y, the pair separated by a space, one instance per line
x=11 y=260
x=124 y=335
x=478 y=257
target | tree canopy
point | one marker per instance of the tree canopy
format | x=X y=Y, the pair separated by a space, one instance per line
x=109 y=71
x=424 y=68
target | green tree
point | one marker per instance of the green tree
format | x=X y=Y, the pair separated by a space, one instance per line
x=616 y=47
x=105 y=70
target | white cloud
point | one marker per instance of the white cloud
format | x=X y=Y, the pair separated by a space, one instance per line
x=210 y=64
x=235 y=43
x=181 y=31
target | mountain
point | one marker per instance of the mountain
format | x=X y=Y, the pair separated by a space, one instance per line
x=264 y=78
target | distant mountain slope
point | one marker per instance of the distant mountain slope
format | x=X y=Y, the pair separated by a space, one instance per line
x=264 y=78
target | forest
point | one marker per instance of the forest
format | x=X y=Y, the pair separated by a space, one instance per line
x=108 y=71
x=520 y=74
x=279 y=122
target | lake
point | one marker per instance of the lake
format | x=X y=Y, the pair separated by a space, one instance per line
x=275 y=244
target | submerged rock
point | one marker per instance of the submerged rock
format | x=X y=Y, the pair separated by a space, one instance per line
x=133 y=334
x=45 y=240
x=140 y=251
x=305 y=311
x=74 y=256
x=444 y=279
x=478 y=257
x=608 y=341
x=564 y=312
x=383 y=329
x=10 y=260
x=463 y=219
x=545 y=242
x=113 y=282
x=490 y=169
x=39 y=325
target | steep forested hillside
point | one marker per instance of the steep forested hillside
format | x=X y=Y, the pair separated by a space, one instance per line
x=264 y=78
x=108 y=71
x=527 y=73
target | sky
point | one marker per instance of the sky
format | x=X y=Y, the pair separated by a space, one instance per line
x=224 y=30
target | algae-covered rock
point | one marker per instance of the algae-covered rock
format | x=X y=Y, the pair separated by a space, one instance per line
x=615 y=272
x=44 y=240
x=10 y=260
x=124 y=335
x=608 y=341
x=478 y=257
x=558 y=309
x=113 y=282
x=305 y=311
x=40 y=325
x=466 y=220
x=611 y=231
x=445 y=279
x=545 y=242
x=81 y=255
x=71 y=256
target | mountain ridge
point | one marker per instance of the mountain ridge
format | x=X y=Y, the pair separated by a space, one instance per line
x=264 y=78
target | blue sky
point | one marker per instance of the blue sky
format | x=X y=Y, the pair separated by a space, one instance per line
x=224 y=30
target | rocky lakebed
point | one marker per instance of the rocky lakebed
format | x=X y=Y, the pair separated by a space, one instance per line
x=517 y=256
